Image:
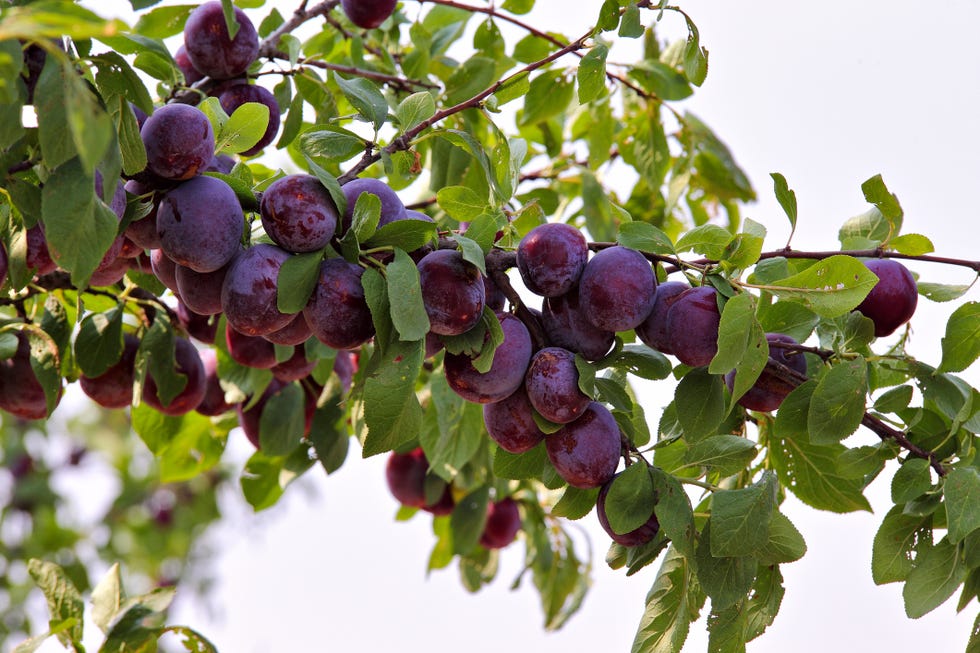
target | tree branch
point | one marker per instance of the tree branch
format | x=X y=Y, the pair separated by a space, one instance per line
x=400 y=83
x=878 y=252
x=271 y=44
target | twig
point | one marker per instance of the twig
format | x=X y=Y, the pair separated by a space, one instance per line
x=878 y=252
x=498 y=262
x=824 y=354
x=271 y=44
x=401 y=83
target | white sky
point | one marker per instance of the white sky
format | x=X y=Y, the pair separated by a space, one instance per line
x=827 y=93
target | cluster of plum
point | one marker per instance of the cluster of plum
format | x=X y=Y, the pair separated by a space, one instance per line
x=586 y=301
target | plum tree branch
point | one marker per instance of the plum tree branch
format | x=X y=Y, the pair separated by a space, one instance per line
x=270 y=45
x=404 y=141
x=498 y=262
x=877 y=252
x=400 y=83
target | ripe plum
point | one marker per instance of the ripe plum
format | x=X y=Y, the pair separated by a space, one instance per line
x=653 y=330
x=617 y=288
x=510 y=423
x=114 y=387
x=586 y=452
x=892 y=302
x=505 y=375
x=452 y=291
x=768 y=391
x=179 y=141
x=551 y=258
x=565 y=322
x=298 y=213
x=236 y=95
x=250 y=293
x=337 y=313
x=200 y=224
x=692 y=326
x=503 y=523
x=210 y=49
x=552 y=385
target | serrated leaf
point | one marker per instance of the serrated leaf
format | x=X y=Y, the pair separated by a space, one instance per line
x=912 y=244
x=297 y=278
x=724 y=579
x=673 y=511
x=742 y=344
x=548 y=96
x=829 y=288
x=740 y=518
x=937 y=572
x=672 y=605
x=630 y=500
x=245 y=127
x=365 y=98
x=727 y=454
x=592 y=74
x=64 y=601
x=405 y=295
x=282 y=422
x=472 y=252
x=638 y=360
x=708 y=239
x=520 y=466
x=408 y=235
x=468 y=519
x=911 y=480
x=786 y=198
x=700 y=402
x=961 y=344
x=367 y=214
x=644 y=237
x=575 y=503
x=939 y=292
x=785 y=543
x=107 y=598
x=415 y=109
x=391 y=408
x=838 y=402
x=99 y=342
x=961 y=491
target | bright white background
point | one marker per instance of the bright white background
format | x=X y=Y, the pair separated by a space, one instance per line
x=827 y=93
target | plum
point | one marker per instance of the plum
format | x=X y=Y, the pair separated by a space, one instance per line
x=617 y=288
x=502 y=525
x=249 y=296
x=653 y=330
x=586 y=452
x=298 y=213
x=214 y=402
x=188 y=363
x=200 y=224
x=337 y=313
x=769 y=390
x=506 y=373
x=236 y=95
x=250 y=351
x=209 y=47
x=891 y=303
x=567 y=326
x=692 y=326
x=452 y=291
x=21 y=393
x=552 y=385
x=179 y=141
x=510 y=423
x=368 y=14
x=551 y=258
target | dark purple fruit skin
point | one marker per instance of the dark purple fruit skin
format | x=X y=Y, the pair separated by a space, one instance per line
x=653 y=330
x=164 y=269
x=503 y=523
x=221 y=163
x=110 y=273
x=20 y=392
x=444 y=506
x=616 y=289
x=298 y=213
x=636 y=537
x=405 y=475
x=210 y=50
x=200 y=224
x=188 y=363
x=250 y=293
x=201 y=291
x=38 y=256
x=179 y=141
x=143 y=232
x=235 y=96
x=294 y=368
x=692 y=326
x=891 y=303
x=567 y=326
x=552 y=385
x=392 y=207
x=510 y=423
x=768 y=391
x=452 y=291
x=203 y=328
x=4 y=264
x=114 y=387
x=294 y=333
x=337 y=312
x=368 y=14
x=586 y=452
x=551 y=258
x=214 y=402
x=191 y=74
x=250 y=351
x=345 y=366
x=495 y=296
x=505 y=375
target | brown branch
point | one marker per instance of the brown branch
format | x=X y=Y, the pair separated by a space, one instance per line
x=878 y=252
x=400 y=83
x=403 y=142
x=498 y=262
x=675 y=261
x=271 y=44
x=824 y=354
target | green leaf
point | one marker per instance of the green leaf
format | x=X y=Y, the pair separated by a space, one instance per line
x=740 y=518
x=672 y=605
x=231 y=21
x=700 y=401
x=592 y=74
x=630 y=501
x=99 y=343
x=912 y=244
x=107 y=598
x=131 y=146
x=876 y=193
x=405 y=294
x=468 y=519
x=665 y=81
x=260 y=480
x=391 y=408
x=549 y=95
x=245 y=127
x=163 y=21
x=937 y=572
x=961 y=344
x=838 y=402
x=367 y=214
x=763 y=603
x=708 y=239
x=644 y=237
x=520 y=466
x=78 y=229
x=472 y=252
x=789 y=318
x=329 y=142
x=695 y=57
x=810 y=471
x=724 y=579
x=894 y=400
x=155 y=356
x=415 y=109
x=282 y=423
x=726 y=454
x=473 y=77
x=726 y=628
x=829 y=288
x=631 y=27
x=911 y=480
x=184 y=445
x=365 y=97
x=408 y=235
x=298 y=276
x=787 y=199
x=673 y=511
x=939 y=292
x=575 y=503
x=91 y=127
x=961 y=490
x=457 y=433
x=638 y=360
x=785 y=543
x=895 y=543
x=742 y=344
x=64 y=601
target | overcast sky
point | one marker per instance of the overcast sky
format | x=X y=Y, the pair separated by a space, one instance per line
x=827 y=93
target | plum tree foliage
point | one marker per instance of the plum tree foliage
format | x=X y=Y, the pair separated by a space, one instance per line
x=442 y=272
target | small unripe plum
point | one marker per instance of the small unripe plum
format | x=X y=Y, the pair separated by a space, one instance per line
x=506 y=373
x=503 y=523
x=891 y=303
x=189 y=364
x=368 y=14
x=510 y=423
x=551 y=258
x=452 y=291
x=210 y=49
x=636 y=537
x=653 y=330
x=552 y=385
x=179 y=141
x=298 y=213
x=586 y=452
x=617 y=288
x=768 y=391
x=692 y=326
